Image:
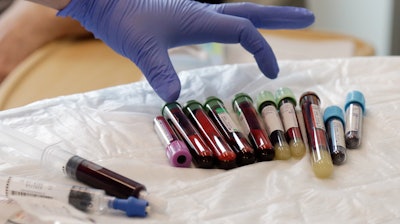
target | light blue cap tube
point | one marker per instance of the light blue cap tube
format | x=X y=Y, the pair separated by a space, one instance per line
x=333 y=112
x=355 y=97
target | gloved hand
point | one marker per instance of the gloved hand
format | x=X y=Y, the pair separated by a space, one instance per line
x=144 y=30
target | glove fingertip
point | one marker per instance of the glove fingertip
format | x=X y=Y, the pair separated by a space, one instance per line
x=267 y=63
x=270 y=70
x=169 y=91
x=306 y=16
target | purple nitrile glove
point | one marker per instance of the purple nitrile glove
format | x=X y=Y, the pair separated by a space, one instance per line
x=144 y=30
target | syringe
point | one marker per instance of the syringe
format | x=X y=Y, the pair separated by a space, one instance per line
x=78 y=168
x=83 y=198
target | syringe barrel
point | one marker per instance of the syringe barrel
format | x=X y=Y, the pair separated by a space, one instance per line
x=91 y=173
x=99 y=177
x=55 y=156
x=82 y=198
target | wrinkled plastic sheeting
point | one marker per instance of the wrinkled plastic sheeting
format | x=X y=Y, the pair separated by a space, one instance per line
x=113 y=127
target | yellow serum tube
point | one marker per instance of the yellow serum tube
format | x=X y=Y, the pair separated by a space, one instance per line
x=321 y=161
x=286 y=102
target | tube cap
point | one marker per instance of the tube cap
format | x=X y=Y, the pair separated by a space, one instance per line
x=355 y=97
x=193 y=104
x=131 y=206
x=175 y=104
x=264 y=96
x=179 y=154
x=307 y=94
x=333 y=112
x=283 y=93
x=240 y=97
x=213 y=99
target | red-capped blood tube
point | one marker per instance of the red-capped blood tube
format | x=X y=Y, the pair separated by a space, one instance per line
x=242 y=104
x=320 y=156
x=202 y=155
x=267 y=108
x=287 y=110
x=225 y=156
x=216 y=110
x=176 y=150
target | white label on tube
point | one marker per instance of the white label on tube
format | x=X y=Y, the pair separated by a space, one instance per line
x=16 y=187
x=226 y=120
x=162 y=131
x=53 y=211
x=317 y=117
x=353 y=118
x=338 y=133
x=271 y=119
x=288 y=116
x=243 y=121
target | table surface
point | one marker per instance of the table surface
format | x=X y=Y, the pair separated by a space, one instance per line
x=113 y=127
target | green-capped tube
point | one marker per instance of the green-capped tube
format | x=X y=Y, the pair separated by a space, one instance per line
x=286 y=103
x=216 y=110
x=266 y=106
x=252 y=127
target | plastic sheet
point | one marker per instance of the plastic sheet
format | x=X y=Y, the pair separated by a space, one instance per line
x=113 y=127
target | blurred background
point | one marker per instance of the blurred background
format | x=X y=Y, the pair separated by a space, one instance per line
x=376 y=22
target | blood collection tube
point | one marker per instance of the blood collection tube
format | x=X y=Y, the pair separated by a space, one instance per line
x=96 y=176
x=287 y=110
x=82 y=198
x=176 y=150
x=266 y=106
x=334 y=123
x=355 y=109
x=202 y=155
x=216 y=110
x=242 y=104
x=320 y=156
x=225 y=156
